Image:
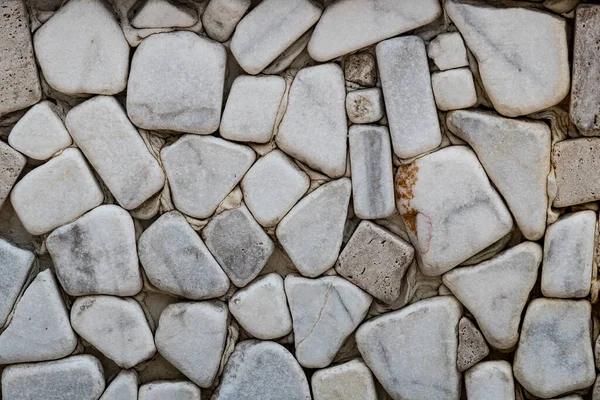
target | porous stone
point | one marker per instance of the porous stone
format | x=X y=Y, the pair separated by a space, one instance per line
x=409 y=102
x=351 y=380
x=123 y=387
x=472 y=347
x=81 y=49
x=576 y=166
x=164 y=14
x=364 y=106
x=173 y=390
x=319 y=141
x=11 y=164
x=220 y=17
x=360 y=68
x=183 y=99
x=490 y=380
x=15 y=264
x=202 y=170
x=448 y=51
x=312 y=232
x=454 y=89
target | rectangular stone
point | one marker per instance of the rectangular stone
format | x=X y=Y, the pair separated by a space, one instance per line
x=576 y=166
x=11 y=164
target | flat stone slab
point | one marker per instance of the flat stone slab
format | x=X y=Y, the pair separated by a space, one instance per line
x=164 y=14
x=220 y=17
x=361 y=68
x=351 y=380
x=364 y=106
x=11 y=164
x=576 y=166
x=173 y=390
x=123 y=387
x=454 y=89
x=472 y=347
x=448 y=51
x=490 y=380
x=15 y=264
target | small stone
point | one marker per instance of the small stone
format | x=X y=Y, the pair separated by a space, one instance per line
x=220 y=17
x=11 y=164
x=454 y=89
x=472 y=347
x=261 y=308
x=351 y=380
x=555 y=355
x=364 y=106
x=448 y=51
x=173 y=390
x=15 y=264
x=490 y=380
x=561 y=7
x=289 y=55
x=164 y=14
x=123 y=387
x=239 y=244
x=115 y=326
x=576 y=166
x=319 y=141
x=360 y=68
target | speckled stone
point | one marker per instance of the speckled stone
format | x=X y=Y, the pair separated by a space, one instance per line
x=15 y=264
x=220 y=17
x=364 y=106
x=123 y=387
x=360 y=68
x=472 y=347
x=351 y=380
x=490 y=380
x=11 y=164
x=576 y=165
x=172 y=390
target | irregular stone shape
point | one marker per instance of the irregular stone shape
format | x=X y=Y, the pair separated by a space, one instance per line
x=273 y=186
x=177 y=261
x=73 y=378
x=115 y=326
x=349 y=25
x=409 y=102
x=164 y=14
x=191 y=336
x=576 y=166
x=412 y=352
x=450 y=208
x=522 y=54
x=360 y=68
x=123 y=387
x=554 y=355
x=490 y=380
x=156 y=88
x=454 y=89
x=172 y=390
x=269 y=29
x=319 y=141
x=250 y=114
x=11 y=164
x=561 y=6
x=516 y=157
x=351 y=380
x=202 y=170
x=262 y=370
x=19 y=81
x=116 y=150
x=448 y=51
x=312 y=232
x=364 y=106
x=82 y=49
x=496 y=291
x=239 y=244
x=261 y=308
x=15 y=264
x=568 y=256
x=372 y=175
x=220 y=17
x=472 y=347
x=55 y=193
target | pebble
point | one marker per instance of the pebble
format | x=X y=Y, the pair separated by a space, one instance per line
x=448 y=51
x=351 y=380
x=11 y=164
x=490 y=380
x=164 y=14
x=172 y=390
x=454 y=89
x=472 y=347
x=123 y=387
x=361 y=68
x=576 y=166
x=15 y=265
x=220 y=17
x=364 y=106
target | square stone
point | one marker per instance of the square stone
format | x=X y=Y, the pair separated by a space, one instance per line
x=454 y=89
x=364 y=106
x=577 y=167
x=351 y=380
x=448 y=51
x=11 y=164
x=360 y=68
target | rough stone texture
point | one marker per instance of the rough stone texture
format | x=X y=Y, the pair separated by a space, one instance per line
x=164 y=14
x=472 y=347
x=351 y=380
x=11 y=164
x=454 y=89
x=15 y=264
x=172 y=390
x=364 y=106
x=576 y=165
x=123 y=387
x=220 y=17
x=448 y=51
x=360 y=68
x=491 y=380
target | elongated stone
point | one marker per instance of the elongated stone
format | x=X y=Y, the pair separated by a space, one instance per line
x=164 y=14
x=351 y=380
x=15 y=264
x=220 y=17
x=11 y=164
x=576 y=166
x=490 y=380
x=123 y=387
x=173 y=390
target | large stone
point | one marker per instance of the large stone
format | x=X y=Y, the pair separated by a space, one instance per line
x=172 y=390
x=220 y=17
x=15 y=264
x=490 y=380
x=123 y=387
x=351 y=380
x=472 y=347
x=454 y=89
x=11 y=164
x=448 y=51
x=576 y=165
x=364 y=106
x=163 y=14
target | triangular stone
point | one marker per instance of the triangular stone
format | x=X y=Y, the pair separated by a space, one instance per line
x=472 y=347
x=123 y=387
x=164 y=14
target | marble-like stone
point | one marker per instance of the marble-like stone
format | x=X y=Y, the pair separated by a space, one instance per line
x=81 y=49
x=555 y=355
x=202 y=170
x=156 y=87
x=220 y=17
x=364 y=106
x=55 y=193
x=15 y=264
x=450 y=208
x=576 y=166
x=123 y=387
x=351 y=380
x=172 y=390
x=78 y=377
x=115 y=326
x=312 y=232
x=261 y=308
x=163 y=14
x=262 y=370
x=490 y=380
x=360 y=68
x=319 y=141
x=516 y=157
x=289 y=55
x=522 y=54
x=448 y=51
x=250 y=114
x=412 y=351
x=349 y=25
x=239 y=244
x=472 y=347
x=409 y=102
x=11 y=164
x=269 y=29
x=191 y=336
x=177 y=261
x=454 y=89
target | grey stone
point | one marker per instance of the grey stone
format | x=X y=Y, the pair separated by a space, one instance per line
x=15 y=264
x=448 y=51
x=173 y=390
x=11 y=164
x=561 y=6
x=454 y=89
x=360 y=68
x=163 y=14
x=220 y=17
x=364 y=106
x=472 y=347
x=490 y=380
x=123 y=387
x=576 y=165
x=289 y=55
x=351 y=380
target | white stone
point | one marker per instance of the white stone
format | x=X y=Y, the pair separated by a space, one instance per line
x=164 y=14
x=57 y=192
x=40 y=133
x=115 y=326
x=412 y=352
x=250 y=114
x=82 y=49
x=12 y=164
x=522 y=54
x=448 y=51
x=312 y=232
x=191 y=336
x=351 y=380
x=450 y=208
x=261 y=308
x=176 y=83
x=364 y=106
x=269 y=29
x=490 y=380
x=516 y=157
x=349 y=25
x=123 y=387
x=220 y=17
x=15 y=264
x=177 y=261
x=273 y=186
x=172 y=390
x=409 y=102
x=202 y=170
x=454 y=89
x=314 y=127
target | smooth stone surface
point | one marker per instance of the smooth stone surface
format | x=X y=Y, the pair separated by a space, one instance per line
x=262 y=370
x=351 y=380
x=164 y=14
x=177 y=261
x=412 y=352
x=202 y=170
x=191 y=336
x=554 y=355
x=15 y=264
x=576 y=165
x=156 y=88
x=82 y=49
x=123 y=387
x=448 y=51
x=96 y=254
x=55 y=193
x=319 y=141
x=364 y=106
x=472 y=347
x=220 y=17
x=516 y=157
x=312 y=232
x=349 y=25
x=490 y=380
x=409 y=102
x=261 y=308
x=450 y=208
x=11 y=164
x=360 y=68
x=115 y=326
x=454 y=89
x=172 y=390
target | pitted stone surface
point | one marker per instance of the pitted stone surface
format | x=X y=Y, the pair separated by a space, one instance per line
x=364 y=106
x=576 y=166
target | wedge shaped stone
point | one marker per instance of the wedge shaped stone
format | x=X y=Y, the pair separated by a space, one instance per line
x=11 y=164
x=220 y=17
x=472 y=347
x=15 y=264
x=123 y=387
x=576 y=165
x=173 y=390
x=490 y=380
x=164 y=14
x=351 y=380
